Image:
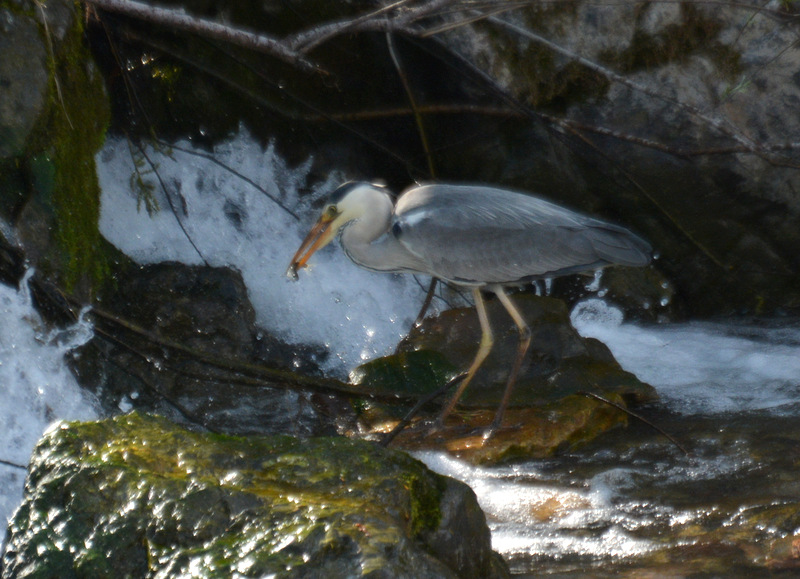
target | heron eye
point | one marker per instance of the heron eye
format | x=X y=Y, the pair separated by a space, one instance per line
x=331 y=211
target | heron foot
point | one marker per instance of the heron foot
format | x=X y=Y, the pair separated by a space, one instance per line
x=492 y=429
x=434 y=426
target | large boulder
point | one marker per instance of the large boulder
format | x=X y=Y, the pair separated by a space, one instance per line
x=557 y=401
x=138 y=496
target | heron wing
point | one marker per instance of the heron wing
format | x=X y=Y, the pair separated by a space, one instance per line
x=474 y=234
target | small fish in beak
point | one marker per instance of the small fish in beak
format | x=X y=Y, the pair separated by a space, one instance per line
x=319 y=236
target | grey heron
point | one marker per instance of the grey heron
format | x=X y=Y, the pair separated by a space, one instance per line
x=479 y=237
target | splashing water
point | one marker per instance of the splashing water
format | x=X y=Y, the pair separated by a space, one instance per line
x=702 y=368
x=232 y=223
x=36 y=386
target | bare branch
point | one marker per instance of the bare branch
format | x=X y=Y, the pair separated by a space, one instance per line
x=670 y=149
x=308 y=39
x=179 y=20
x=375 y=21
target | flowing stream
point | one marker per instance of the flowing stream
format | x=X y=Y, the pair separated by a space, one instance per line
x=633 y=502
x=630 y=504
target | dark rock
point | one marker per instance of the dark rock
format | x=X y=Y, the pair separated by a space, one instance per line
x=53 y=116
x=180 y=336
x=138 y=496
x=559 y=361
x=687 y=78
x=23 y=80
x=549 y=408
x=200 y=307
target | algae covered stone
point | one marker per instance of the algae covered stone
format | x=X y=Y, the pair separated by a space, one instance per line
x=561 y=398
x=139 y=496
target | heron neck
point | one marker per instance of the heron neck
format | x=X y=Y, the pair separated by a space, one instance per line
x=370 y=244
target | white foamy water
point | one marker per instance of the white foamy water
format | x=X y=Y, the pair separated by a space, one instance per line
x=553 y=515
x=702 y=368
x=356 y=314
x=529 y=514
x=36 y=387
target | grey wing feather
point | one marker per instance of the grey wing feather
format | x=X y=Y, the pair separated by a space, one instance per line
x=473 y=234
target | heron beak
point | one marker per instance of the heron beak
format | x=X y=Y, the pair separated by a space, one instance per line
x=320 y=235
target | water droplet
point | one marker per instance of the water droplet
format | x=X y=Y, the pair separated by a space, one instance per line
x=595 y=283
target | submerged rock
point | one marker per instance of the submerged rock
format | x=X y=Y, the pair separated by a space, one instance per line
x=552 y=404
x=138 y=496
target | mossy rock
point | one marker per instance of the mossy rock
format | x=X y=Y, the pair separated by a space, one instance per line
x=138 y=496
x=551 y=406
x=49 y=183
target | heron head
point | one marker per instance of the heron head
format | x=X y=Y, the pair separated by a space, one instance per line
x=347 y=203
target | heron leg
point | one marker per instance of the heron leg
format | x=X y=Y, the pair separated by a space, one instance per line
x=427 y=303
x=487 y=340
x=522 y=349
x=422 y=311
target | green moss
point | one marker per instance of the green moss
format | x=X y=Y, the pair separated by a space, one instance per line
x=163 y=498
x=426 y=514
x=417 y=373
x=21 y=8
x=67 y=136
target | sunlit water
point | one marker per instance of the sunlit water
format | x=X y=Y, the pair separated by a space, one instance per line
x=36 y=387
x=730 y=393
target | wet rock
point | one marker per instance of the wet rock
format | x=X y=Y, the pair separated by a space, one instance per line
x=54 y=113
x=756 y=539
x=174 y=339
x=23 y=80
x=29 y=31
x=548 y=408
x=559 y=361
x=203 y=308
x=138 y=496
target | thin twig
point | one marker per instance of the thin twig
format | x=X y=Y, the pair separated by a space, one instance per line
x=13 y=464
x=427 y=303
x=40 y=5
x=263 y=376
x=234 y=172
x=306 y=40
x=406 y=420
x=175 y=212
x=639 y=417
x=656 y=145
x=412 y=101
